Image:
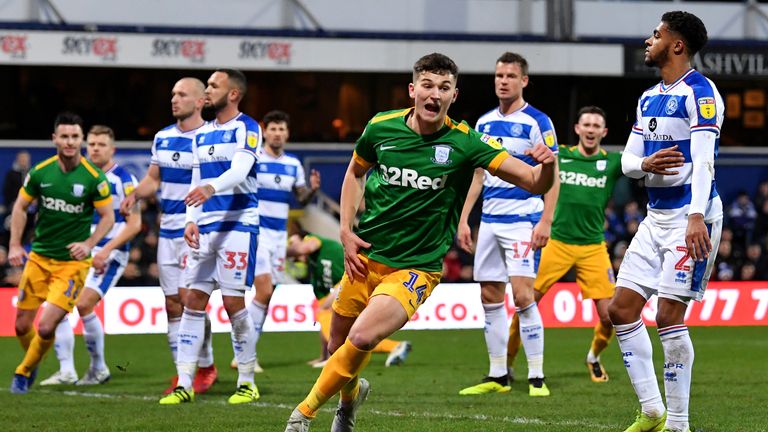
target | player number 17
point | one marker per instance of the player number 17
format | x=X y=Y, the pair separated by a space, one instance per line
x=515 y=248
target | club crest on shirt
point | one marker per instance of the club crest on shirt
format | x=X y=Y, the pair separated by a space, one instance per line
x=517 y=130
x=442 y=155
x=671 y=107
x=601 y=165
x=706 y=107
x=227 y=137
x=77 y=190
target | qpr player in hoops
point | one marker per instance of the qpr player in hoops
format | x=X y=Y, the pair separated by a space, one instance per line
x=170 y=172
x=222 y=226
x=672 y=146
x=280 y=176
x=515 y=225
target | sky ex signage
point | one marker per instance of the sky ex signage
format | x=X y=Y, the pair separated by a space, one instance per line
x=192 y=50
x=101 y=47
x=14 y=46
x=277 y=52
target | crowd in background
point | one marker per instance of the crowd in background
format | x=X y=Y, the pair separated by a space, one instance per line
x=741 y=256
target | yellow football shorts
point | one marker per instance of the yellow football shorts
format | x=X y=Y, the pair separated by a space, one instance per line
x=54 y=281
x=410 y=287
x=594 y=272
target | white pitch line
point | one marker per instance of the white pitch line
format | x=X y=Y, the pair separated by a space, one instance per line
x=430 y=415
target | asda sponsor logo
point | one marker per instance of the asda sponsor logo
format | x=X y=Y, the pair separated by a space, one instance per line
x=58 y=204
x=581 y=179
x=411 y=178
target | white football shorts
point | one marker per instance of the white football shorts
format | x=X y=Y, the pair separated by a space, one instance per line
x=657 y=262
x=225 y=260
x=172 y=255
x=504 y=250
x=102 y=282
x=270 y=256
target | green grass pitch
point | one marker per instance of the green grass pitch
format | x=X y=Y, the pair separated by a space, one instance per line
x=729 y=387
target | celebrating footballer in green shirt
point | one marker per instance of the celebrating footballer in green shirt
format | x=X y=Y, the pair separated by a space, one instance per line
x=588 y=174
x=420 y=165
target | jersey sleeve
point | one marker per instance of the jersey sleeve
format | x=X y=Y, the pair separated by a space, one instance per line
x=102 y=194
x=548 y=134
x=129 y=184
x=31 y=187
x=249 y=138
x=544 y=133
x=153 y=152
x=705 y=109
x=301 y=178
x=365 y=154
x=637 y=127
x=614 y=164
x=486 y=152
x=633 y=154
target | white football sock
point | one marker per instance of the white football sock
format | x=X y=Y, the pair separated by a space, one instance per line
x=591 y=357
x=244 y=345
x=678 y=365
x=65 y=347
x=637 y=351
x=190 y=339
x=496 y=336
x=532 y=334
x=258 y=312
x=206 y=352
x=93 y=333
x=173 y=336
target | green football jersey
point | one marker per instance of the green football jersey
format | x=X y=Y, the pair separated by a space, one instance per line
x=417 y=187
x=66 y=201
x=326 y=265
x=586 y=185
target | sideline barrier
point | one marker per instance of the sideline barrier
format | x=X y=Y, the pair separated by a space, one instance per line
x=137 y=310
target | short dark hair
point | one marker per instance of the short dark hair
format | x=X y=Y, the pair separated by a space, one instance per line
x=510 y=57
x=436 y=63
x=690 y=27
x=591 y=109
x=67 y=118
x=237 y=78
x=276 y=116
